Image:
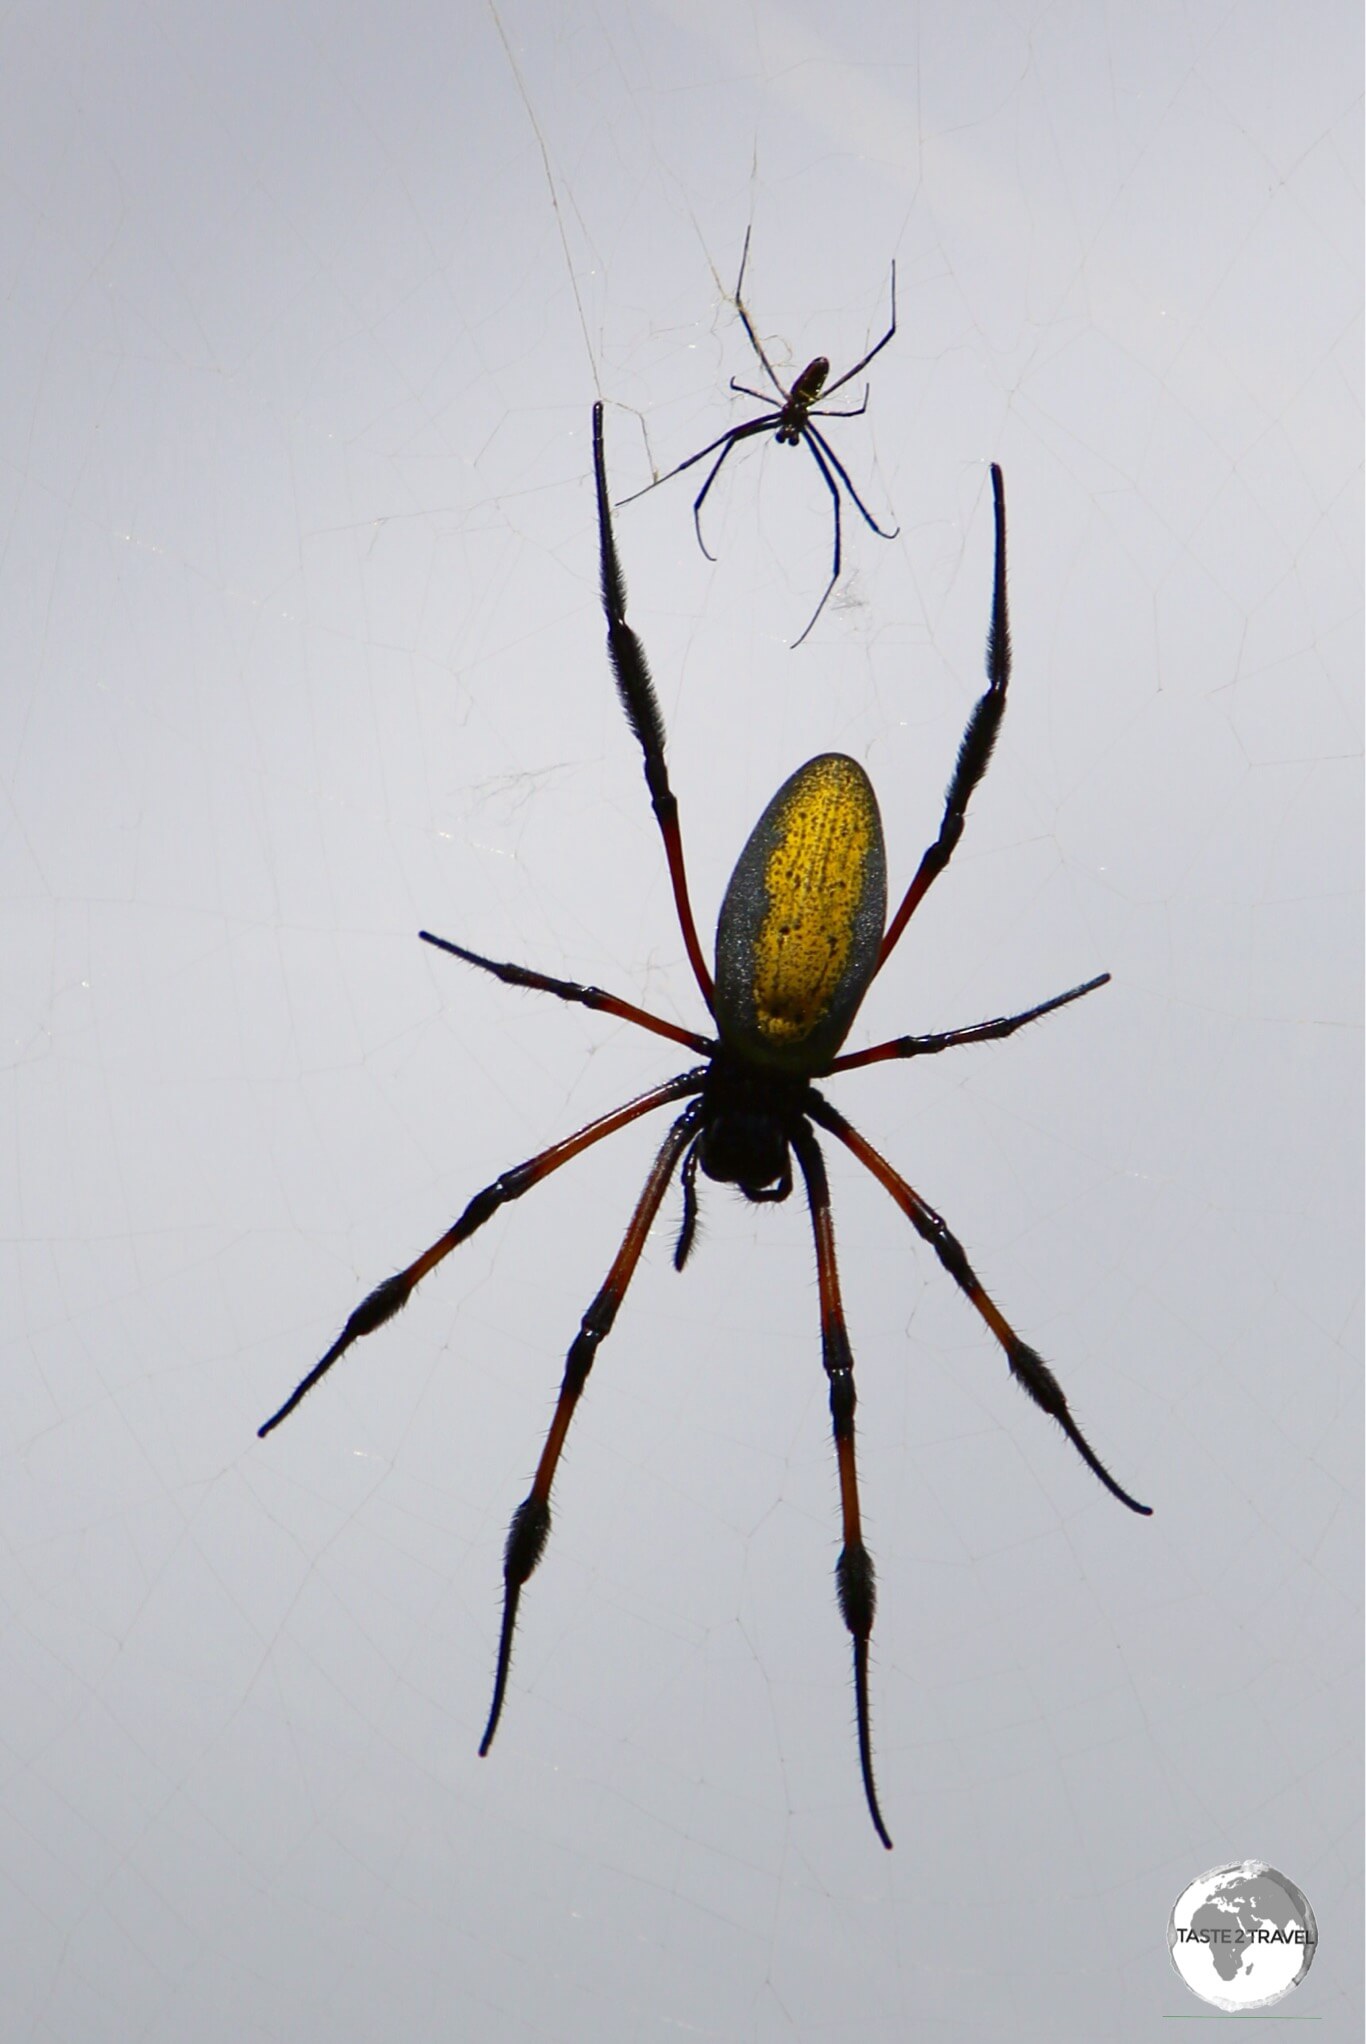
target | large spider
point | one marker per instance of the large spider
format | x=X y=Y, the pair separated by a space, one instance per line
x=791 y=422
x=799 y=941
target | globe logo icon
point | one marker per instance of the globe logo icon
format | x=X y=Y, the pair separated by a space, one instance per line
x=1242 y=1936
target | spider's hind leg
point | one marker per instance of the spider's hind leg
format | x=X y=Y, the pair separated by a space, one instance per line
x=1027 y=1366
x=854 y=1577
x=530 y=1526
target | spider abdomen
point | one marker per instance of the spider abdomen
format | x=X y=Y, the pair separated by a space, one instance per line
x=801 y=924
x=810 y=383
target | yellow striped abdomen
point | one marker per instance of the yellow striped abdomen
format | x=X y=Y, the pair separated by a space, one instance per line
x=801 y=924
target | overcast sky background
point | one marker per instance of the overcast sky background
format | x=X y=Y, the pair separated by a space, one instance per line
x=304 y=312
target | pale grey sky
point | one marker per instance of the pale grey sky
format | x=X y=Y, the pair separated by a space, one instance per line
x=304 y=315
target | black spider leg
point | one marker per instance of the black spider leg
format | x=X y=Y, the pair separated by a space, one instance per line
x=758 y=346
x=831 y=485
x=687 y=1227
x=754 y=340
x=810 y=411
x=825 y=458
x=842 y=472
x=854 y=1578
x=1027 y=1366
x=745 y=432
x=974 y=752
x=978 y=1032
x=806 y=432
x=826 y=412
x=643 y=714
x=821 y=452
x=570 y=990
x=725 y=441
x=861 y=365
x=388 y=1298
x=531 y=1521
x=829 y=389
x=780 y=1190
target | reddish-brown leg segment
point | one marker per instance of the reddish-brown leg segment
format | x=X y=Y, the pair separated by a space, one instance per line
x=531 y=1520
x=978 y=1032
x=1027 y=1366
x=854 y=1578
x=391 y=1296
x=570 y=990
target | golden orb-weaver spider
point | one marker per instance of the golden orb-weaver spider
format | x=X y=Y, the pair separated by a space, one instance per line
x=799 y=941
x=790 y=422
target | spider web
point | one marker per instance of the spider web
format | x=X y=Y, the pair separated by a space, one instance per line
x=304 y=316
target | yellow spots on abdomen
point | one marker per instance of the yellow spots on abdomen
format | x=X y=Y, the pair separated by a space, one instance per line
x=815 y=876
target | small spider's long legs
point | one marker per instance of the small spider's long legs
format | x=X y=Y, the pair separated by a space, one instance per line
x=731 y=439
x=531 y=1521
x=790 y=420
x=978 y=1032
x=1027 y=1366
x=638 y=699
x=862 y=363
x=393 y=1294
x=754 y=340
x=760 y=351
x=764 y=399
x=974 y=752
x=570 y=990
x=822 y=454
x=833 y=488
x=725 y=441
x=842 y=472
x=854 y=1576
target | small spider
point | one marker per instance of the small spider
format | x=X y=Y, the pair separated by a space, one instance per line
x=791 y=422
x=799 y=941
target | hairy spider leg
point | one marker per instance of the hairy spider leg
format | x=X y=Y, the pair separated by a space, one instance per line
x=530 y=1526
x=949 y=1039
x=393 y=1294
x=974 y=752
x=1027 y=1366
x=687 y=1227
x=570 y=990
x=641 y=704
x=854 y=1578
